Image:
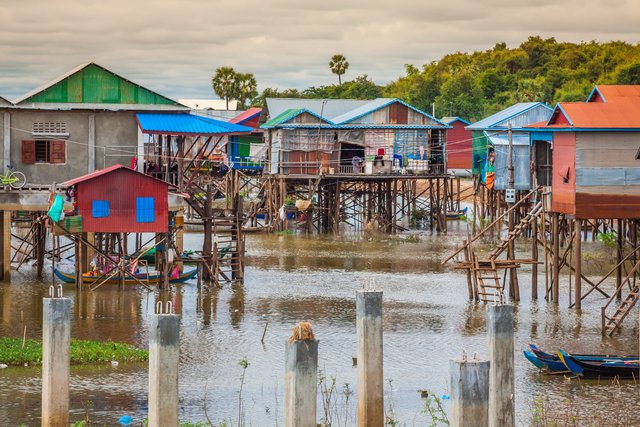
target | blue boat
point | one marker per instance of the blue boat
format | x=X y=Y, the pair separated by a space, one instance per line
x=607 y=368
x=549 y=365
x=554 y=364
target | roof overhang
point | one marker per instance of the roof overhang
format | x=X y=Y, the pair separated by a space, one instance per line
x=178 y=124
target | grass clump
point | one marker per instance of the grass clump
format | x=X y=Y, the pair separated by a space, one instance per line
x=12 y=352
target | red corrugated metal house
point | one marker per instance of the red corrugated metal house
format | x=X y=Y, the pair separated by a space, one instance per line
x=459 y=144
x=118 y=199
x=596 y=155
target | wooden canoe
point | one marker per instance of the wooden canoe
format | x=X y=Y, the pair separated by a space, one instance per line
x=152 y=278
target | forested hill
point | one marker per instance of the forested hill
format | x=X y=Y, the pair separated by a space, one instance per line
x=475 y=85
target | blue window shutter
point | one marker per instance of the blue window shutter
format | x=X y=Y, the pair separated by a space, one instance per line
x=145 y=209
x=100 y=208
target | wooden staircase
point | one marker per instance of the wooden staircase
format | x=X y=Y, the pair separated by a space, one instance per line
x=611 y=323
x=493 y=291
x=518 y=230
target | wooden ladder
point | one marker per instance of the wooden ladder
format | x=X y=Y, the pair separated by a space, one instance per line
x=611 y=324
x=491 y=292
x=517 y=231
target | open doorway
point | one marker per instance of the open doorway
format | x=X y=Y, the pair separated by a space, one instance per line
x=543 y=162
x=347 y=154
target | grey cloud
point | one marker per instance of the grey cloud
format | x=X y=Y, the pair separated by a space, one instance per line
x=174 y=46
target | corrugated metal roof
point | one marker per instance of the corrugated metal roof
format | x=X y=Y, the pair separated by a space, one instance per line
x=375 y=105
x=355 y=126
x=65 y=106
x=611 y=93
x=224 y=115
x=510 y=113
x=363 y=110
x=449 y=120
x=287 y=115
x=105 y=171
x=186 y=124
x=502 y=138
x=4 y=102
x=328 y=108
x=79 y=69
x=621 y=114
x=246 y=115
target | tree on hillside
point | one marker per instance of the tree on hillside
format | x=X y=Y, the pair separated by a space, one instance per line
x=247 y=88
x=629 y=75
x=338 y=66
x=224 y=83
x=362 y=87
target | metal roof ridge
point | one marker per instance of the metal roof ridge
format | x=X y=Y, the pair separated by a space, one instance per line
x=107 y=170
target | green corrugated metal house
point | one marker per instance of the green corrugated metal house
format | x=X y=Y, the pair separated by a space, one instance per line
x=80 y=121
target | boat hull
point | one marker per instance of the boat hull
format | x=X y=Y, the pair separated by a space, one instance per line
x=600 y=369
x=153 y=278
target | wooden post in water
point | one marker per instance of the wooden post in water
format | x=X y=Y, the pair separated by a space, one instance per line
x=469 y=386
x=534 y=257
x=56 y=338
x=300 y=380
x=164 y=352
x=555 y=259
x=577 y=247
x=501 y=378
x=5 y=235
x=619 y=243
x=370 y=378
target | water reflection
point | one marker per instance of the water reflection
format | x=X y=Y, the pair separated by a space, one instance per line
x=427 y=320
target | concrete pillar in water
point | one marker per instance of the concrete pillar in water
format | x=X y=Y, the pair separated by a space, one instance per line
x=501 y=383
x=300 y=383
x=5 y=237
x=164 y=351
x=370 y=378
x=56 y=335
x=469 y=392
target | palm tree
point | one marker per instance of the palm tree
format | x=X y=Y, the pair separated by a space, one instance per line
x=224 y=83
x=247 y=88
x=339 y=66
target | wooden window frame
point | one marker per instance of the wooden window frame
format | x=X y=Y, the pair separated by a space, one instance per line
x=44 y=151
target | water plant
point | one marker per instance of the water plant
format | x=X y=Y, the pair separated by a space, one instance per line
x=433 y=408
x=244 y=364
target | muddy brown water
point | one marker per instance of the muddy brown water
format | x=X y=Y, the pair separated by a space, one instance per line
x=427 y=321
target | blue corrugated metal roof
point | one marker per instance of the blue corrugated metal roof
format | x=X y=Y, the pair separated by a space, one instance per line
x=502 y=138
x=375 y=105
x=186 y=124
x=363 y=110
x=506 y=114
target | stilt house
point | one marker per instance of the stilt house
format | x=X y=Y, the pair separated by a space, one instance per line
x=79 y=122
x=338 y=136
x=596 y=154
x=491 y=134
x=120 y=200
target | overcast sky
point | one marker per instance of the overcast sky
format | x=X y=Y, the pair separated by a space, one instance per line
x=173 y=46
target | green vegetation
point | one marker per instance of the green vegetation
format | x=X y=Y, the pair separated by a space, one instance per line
x=475 y=85
x=12 y=352
x=609 y=239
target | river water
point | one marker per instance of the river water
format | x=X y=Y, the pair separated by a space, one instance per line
x=427 y=321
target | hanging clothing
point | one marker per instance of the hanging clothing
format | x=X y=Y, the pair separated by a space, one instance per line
x=55 y=211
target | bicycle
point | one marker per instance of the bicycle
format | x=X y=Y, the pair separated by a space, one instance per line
x=13 y=178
